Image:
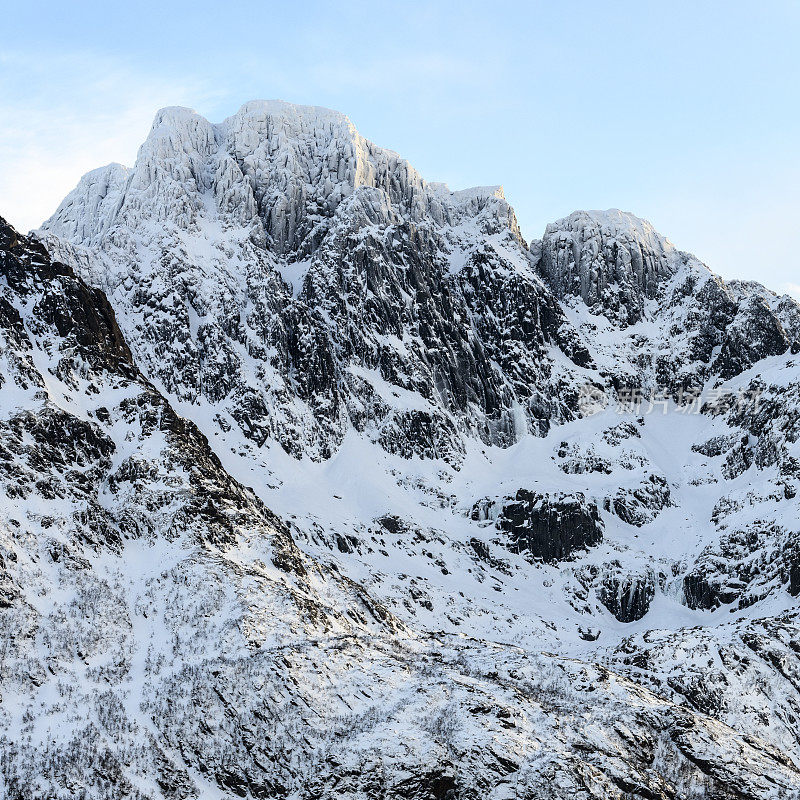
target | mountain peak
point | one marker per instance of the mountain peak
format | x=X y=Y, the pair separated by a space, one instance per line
x=184 y=127
x=282 y=108
x=611 y=259
x=277 y=171
x=88 y=210
x=175 y=114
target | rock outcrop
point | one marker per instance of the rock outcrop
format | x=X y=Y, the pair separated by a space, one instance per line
x=550 y=528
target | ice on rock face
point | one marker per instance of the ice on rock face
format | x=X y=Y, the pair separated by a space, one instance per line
x=220 y=216
x=91 y=206
x=279 y=247
x=611 y=259
x=288 y=166
x=302 y=161
x=280 y=241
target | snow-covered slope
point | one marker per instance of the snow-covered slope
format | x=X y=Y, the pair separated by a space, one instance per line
x=163 y=637
x=586 y=447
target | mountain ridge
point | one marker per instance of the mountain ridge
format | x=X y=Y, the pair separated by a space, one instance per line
x=586 y=447
x=176 y=644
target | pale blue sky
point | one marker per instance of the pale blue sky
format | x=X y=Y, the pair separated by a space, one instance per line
x=686 y=113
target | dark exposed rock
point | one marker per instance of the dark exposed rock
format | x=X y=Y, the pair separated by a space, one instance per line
x=421 y=597
x=79 y=313
x=576 y=461
x=794 y=575
x=61 y=455
x=717 y=445
x=755 y=333
x=484 y=553
x=481 y=548
x=738 y=460
x=627 y=597
x=392 y=523
x=743 y=566
x=9 y=591
x=703 y=593
x=550 y=527
x=620 y=433
x=345 y=544
x=643 y=504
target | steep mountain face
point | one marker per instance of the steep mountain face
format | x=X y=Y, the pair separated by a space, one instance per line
x=613 y=261
x=655 y=318
x=163 y=637
x=585 y=447
x=278 y=269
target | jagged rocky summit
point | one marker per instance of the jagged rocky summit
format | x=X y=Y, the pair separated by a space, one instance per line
x=305 y=496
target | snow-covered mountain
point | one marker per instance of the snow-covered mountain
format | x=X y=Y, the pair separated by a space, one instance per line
x=533 y=527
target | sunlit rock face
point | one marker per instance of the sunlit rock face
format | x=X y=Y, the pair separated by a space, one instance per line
x=303 y=495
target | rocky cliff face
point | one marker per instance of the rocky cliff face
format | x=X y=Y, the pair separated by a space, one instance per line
x=585 y=447
x=280 y=268
x=163 y=637
x=613 y=261
x=548 y=528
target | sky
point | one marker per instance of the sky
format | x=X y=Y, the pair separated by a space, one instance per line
x=684 y=113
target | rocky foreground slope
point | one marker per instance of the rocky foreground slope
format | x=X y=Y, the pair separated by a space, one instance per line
x=321 y=482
